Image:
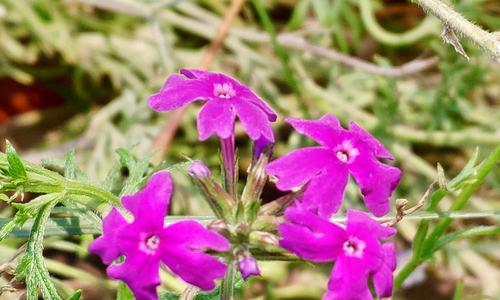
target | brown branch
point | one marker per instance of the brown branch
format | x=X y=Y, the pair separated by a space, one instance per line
x=401 y=209
x=162 y=142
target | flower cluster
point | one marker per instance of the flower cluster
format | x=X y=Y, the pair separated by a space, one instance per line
x=358 y=248
x=146 y=241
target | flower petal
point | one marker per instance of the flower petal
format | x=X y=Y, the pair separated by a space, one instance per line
x=299 y=166
x=183 y=253
x=310 y=236
x=245 y=94
x=178 y=91
x=254 y=120
x=216 y=117
x=358 y=221
x=378 y=149
x=377 y=181
x=348 y=282
x=150 y=205
x=106 y=246
x=324 y=193
x=140 y=273
x=323 y=131
x=194 y=73
x=383 y=278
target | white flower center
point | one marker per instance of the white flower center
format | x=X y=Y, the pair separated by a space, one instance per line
x=346 y=152
x=354 y=247
x=224 y=91
x=150 y=244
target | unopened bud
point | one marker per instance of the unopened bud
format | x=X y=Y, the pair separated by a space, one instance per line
x=219 y=226
x=248 y=266
x=199 y=170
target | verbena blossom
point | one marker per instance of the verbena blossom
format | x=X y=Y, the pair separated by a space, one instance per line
x=326 y=168
x=248 y=266
x=357 y=250
x=225 y=99
x=146 y=241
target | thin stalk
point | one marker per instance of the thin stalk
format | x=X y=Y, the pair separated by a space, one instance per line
x=84 y=189
x=484 y=169
x=228 y=152
x=227 y=286
x=484 y=39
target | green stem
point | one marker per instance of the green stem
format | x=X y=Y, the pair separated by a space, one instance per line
x=484 y=39
x=427 y=27
x=484 y=169
x=410 y=266
x=89 y=190
x=227 y=286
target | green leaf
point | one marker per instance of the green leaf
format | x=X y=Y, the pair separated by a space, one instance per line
x=299 y=14
x=32 y=266
x=124 y=293
x=137 y=170
x=71 y=170
x=16 y=167
x=467 y=172
x=169 y=296
x=76 y=296
x=211 y=295
x=471 y=232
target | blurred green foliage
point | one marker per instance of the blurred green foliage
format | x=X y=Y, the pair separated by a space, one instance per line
x=105 y=57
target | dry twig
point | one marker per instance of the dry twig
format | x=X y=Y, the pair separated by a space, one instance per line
x=401 y=206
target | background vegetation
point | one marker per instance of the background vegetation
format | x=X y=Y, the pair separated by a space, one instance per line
x=77 y=73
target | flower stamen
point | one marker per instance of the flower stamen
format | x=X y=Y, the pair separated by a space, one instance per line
x=150 y=244
x=346 y=152
x=224 y=91
x=354 y=247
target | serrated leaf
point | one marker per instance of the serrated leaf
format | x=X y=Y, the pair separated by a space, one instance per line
x=137 y=170
x=32 y=266
x=16 y=167
x=71 y=170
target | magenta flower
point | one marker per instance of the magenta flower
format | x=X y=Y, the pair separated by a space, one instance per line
x=226 y=98
x=248 y=266
x=146 y=241
x=356 y=249
x=326 y=168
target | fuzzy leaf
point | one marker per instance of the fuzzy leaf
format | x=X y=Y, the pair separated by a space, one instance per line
x=32 y=266
x=16 y=167
x=137 y=170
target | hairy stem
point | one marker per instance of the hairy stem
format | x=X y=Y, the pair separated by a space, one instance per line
x=484 y=39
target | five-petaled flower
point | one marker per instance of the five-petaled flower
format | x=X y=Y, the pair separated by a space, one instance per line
x=326 y=168
x=146 y=241
x=356 y=249
x=226 y=98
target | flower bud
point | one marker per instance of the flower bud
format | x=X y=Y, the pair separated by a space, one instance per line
x=199 y=170
x=248 y=266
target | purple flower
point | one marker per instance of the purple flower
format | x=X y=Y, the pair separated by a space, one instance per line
x=326 y=168
x=146 y=241
x=199 y=170
x=226 y=98
x=248 y=266
x=356 y=249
